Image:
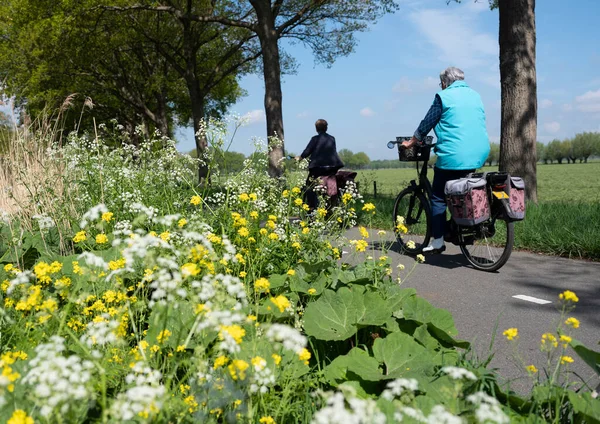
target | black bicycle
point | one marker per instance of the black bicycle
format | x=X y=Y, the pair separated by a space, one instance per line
x=412 y=215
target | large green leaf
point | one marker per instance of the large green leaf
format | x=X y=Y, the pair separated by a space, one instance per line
x=400 y=353
x=418 y=309
x=362 y=364
x=396 y=296
x=334 y=315
x=585 y=406
x=375 y=310
x=590 y=357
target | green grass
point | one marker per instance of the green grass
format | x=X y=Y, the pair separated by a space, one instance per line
x=565 y=222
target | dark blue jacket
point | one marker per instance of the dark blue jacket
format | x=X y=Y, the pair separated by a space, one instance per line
x=322 y=152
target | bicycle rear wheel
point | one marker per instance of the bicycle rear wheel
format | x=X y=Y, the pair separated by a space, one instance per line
x=413 y=212
x=476 y=244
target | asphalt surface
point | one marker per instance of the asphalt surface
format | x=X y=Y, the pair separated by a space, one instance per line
x=483 y=305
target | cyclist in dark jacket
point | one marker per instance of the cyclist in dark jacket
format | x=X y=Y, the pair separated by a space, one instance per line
x=324 y=159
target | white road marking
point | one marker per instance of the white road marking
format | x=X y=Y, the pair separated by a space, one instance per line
x=532 y=299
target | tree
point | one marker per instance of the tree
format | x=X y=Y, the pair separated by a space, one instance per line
x=494 y=154
x=540 y=151
x=361 y=160
x=566 y=148
x=554 y=151
x=518 y=133
x=583 y=145
x=326 y=26
x=347 y=156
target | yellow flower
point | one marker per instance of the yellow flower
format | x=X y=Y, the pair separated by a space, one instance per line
x=565 y=340
x=274 y=236
x=305 y=230
x=548 y=340
x=180 y=348
x=566 y=360
x=305 y=207
x=281 y=302
x=20 y=417
x=298 y=202
x=312 y=291
x=276 y=358
x=263 y=231
x=573 y=322
x=79 y=237
x=254 y=215
x=420 y=258
x=262 y=285
x=237 y=369
x=322 y=212
x=243 y=274
x=368 y=207
x=101 y=239
x=195 y=200
x=107 y=216
x=267 y=420
x=568 y=296
x=411 y=244
x=182 y=222
x=163 y=336
x=221 y=361
x=359 y=245
x=235 y=331
x=244 y=197
x=253 y=197
x=165 y=236
x=511 y=333
x=258 y=363
x=243 y=232
x=304 y=355
x=296 y=190
x=346 y=198
x=291 y=272
x=296 y=245
x=285 y=193
x=363 y=232
x=381 y=232
x=531 y=368
x=190 y=269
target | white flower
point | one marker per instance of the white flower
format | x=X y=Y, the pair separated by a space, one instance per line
x=396 y=387
x=144 y=398
x=488 y=409
x=361 y=411
x=291 y=338
x=92 y=215
x=459 y=373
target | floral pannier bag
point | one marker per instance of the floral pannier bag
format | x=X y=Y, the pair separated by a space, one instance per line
x=515 y=206
x=468 y=201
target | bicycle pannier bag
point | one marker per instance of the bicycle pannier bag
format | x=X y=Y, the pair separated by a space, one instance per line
x=468 y=201
x=515 y=207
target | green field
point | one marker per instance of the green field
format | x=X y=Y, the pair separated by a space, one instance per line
x=565 y=222
x=556 y=183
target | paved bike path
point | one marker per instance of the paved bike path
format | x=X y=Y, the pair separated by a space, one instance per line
x=480 y=300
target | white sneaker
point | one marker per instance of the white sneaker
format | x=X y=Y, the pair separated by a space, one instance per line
x=437 y=245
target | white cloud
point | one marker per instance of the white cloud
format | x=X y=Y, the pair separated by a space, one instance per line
x=567 y=107
x=302 y=115
x=552 y=127
x=589 y=101
x=255 y=116
x=545 y=104
x=455 y=35
x=408 y=85
x=367 y=112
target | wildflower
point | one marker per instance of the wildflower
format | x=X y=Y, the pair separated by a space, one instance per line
x=360 y=245
x=165 y=236
x=221 y=361
x=243 y=274
x=459 y=373
x=253 y=197
x=237 y=369
x=254 y=215
x=191 y=402
x=266 y=420
x=285 y=193
x=281 y=302
x=180 y=348
x=276 y=358
x=549 y=340
x=274 y=236
x=363 y=232
x=234 y=331
x=163 y=336
x=291 y=272
x=296 y=190
x=305 y=230
x=182 y=222
x=101 y=239
x=305 y=207
x=79 y=237
x=322 y=212
x=566 y=360
x=531 y=368
x=244 y=197
x=511 y=333
x=195 y=200
x=381 y=232
x=296 y=245
x=396 y=387
x=20 y=417
x=573 y=322
x=262 y=285
x=565 y=340
x=368 y=207
x=400 y=267
x=411 y=244
x=568 y=296
x=244 y=232
x=107 y=216
x=346 y=197
x=312 y=291
x=304 y=356
x=298 y=202
x=190 y=269
x=258 y=363
x=420 y=258
x=263 y=231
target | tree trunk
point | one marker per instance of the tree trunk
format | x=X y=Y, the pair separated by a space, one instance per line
x=518 y=133
x=272 y=75
x=200 y=135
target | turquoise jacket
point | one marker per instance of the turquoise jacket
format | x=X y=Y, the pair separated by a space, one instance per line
x=462 y=139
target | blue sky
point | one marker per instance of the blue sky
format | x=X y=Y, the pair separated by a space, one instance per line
x=385 y=87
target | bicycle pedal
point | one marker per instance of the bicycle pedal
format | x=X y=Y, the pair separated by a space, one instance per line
x=434 y=251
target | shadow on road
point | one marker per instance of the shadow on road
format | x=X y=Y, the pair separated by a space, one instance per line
x=445 y=260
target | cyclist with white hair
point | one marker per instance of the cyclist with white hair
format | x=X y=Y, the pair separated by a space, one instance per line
x=458 y=118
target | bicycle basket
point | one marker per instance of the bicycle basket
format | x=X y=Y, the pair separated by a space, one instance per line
x=417 y=153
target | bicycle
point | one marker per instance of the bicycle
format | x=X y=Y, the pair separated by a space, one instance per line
x=413 y=206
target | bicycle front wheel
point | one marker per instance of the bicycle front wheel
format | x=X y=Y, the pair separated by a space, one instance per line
x=412 y=220
x=477 y=246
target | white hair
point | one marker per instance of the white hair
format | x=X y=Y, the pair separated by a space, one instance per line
x=451 y=74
